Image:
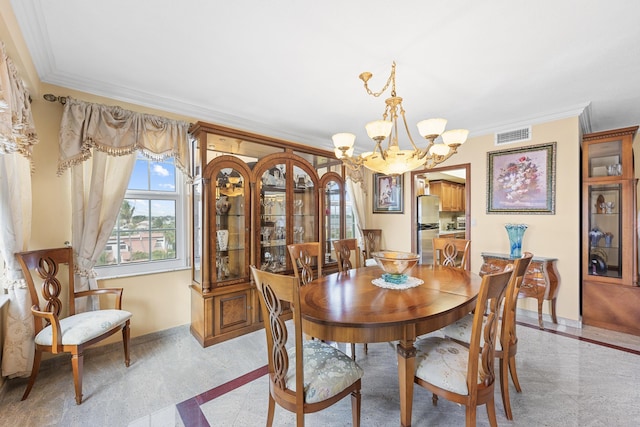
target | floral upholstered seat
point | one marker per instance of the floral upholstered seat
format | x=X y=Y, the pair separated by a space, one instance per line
x=327 y=371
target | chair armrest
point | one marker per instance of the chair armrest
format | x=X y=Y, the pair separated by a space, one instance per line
x=102 y=291
x=56 y=336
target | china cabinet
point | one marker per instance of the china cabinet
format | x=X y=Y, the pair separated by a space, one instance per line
x=610 y=292
x=252 y=196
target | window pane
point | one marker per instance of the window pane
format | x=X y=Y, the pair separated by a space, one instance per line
x=163 y=176
x=140 y=176
x=163 y=214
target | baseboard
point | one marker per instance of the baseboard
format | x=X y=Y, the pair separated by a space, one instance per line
x=532 y=315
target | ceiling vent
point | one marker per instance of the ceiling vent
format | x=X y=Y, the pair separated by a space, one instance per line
x=515 y=135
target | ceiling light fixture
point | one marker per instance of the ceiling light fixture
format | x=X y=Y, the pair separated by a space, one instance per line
x=392 y=160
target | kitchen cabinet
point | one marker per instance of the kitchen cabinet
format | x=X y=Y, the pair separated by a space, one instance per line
x=610 y=292
x=251 y=197
x=452 y=195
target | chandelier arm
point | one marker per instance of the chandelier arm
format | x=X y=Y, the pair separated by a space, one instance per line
x=406 y=127
x=378 y=147
x=436 y=159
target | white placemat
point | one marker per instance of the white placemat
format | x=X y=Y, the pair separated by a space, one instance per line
x=411 y=282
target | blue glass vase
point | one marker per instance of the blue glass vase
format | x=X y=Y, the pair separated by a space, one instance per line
x=515 y=232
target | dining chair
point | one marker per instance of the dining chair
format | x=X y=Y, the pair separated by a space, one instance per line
x=372 y=243
x=465 y=374
x=302 y=260
x=311 y=375
x=451 y=252
x=56 y=333
x=507 y=344
x=346 y=250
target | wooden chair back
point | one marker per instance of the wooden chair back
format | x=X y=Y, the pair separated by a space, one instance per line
x=53 y=317
x=305 y=256
x=372 y=241
x=508 y=333
x=346 y=251
x=451 y=252
x=274 y=292
x=47 y=265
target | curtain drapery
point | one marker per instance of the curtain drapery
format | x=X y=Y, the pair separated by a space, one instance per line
x=17 y=138
x=358 y=195
x=99 y=143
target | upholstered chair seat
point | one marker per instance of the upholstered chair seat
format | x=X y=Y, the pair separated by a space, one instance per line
x=83 y=327
x=327 y=371
x=443 y=361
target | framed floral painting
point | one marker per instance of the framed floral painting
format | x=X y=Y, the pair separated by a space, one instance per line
x=388 y=194
x=522 y=180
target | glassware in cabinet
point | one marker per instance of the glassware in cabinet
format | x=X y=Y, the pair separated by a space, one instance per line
x=605 y=230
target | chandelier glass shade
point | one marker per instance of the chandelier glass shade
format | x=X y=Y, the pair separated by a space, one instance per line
x=391 y=160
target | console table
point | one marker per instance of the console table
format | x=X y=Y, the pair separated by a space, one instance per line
x=541 y=280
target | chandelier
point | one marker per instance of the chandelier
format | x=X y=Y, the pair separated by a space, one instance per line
x=392 y=160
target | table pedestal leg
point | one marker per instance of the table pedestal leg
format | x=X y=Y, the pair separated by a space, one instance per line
x=406 y=371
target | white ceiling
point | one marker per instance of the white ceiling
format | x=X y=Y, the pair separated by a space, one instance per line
x=289 y=68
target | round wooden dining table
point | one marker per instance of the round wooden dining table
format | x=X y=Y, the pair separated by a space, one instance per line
x=347 y=307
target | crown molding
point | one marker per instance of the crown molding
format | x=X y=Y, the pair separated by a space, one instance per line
x=571 y=111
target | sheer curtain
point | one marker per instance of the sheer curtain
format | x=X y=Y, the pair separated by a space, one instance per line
x=99 y=144
x=358 y=195
x=17 y=138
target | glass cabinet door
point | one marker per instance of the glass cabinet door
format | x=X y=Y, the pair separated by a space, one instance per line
x=604 y=159
x=197 y=231
x=304 y=207
x=230 y=225
x=605 y=230
x=332 y=215
x=273 y=219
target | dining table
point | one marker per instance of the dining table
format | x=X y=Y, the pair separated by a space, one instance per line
x=348 y=307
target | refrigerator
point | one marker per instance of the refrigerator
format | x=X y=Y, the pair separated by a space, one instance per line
x=428 y=226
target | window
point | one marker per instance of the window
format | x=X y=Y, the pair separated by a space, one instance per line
x=350 y=232
x=149 y=234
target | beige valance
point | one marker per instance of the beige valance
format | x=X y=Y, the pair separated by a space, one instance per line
x=116 y=131
x=17 y=131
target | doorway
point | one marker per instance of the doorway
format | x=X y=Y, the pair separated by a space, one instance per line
x=452 y=185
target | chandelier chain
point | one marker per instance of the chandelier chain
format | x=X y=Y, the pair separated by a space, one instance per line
x=390 y=81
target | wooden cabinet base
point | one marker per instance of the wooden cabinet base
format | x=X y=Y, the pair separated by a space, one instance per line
x=611 y=306
x=222 y=314
x=225 y=313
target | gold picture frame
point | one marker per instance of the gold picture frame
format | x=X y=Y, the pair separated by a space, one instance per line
x=522 y=180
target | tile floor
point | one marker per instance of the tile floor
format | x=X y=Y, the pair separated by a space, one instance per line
x=570 y=377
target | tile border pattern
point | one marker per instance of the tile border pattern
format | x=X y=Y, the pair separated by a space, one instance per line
x=192 y=415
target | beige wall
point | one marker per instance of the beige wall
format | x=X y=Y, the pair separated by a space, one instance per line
x=556 y=236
